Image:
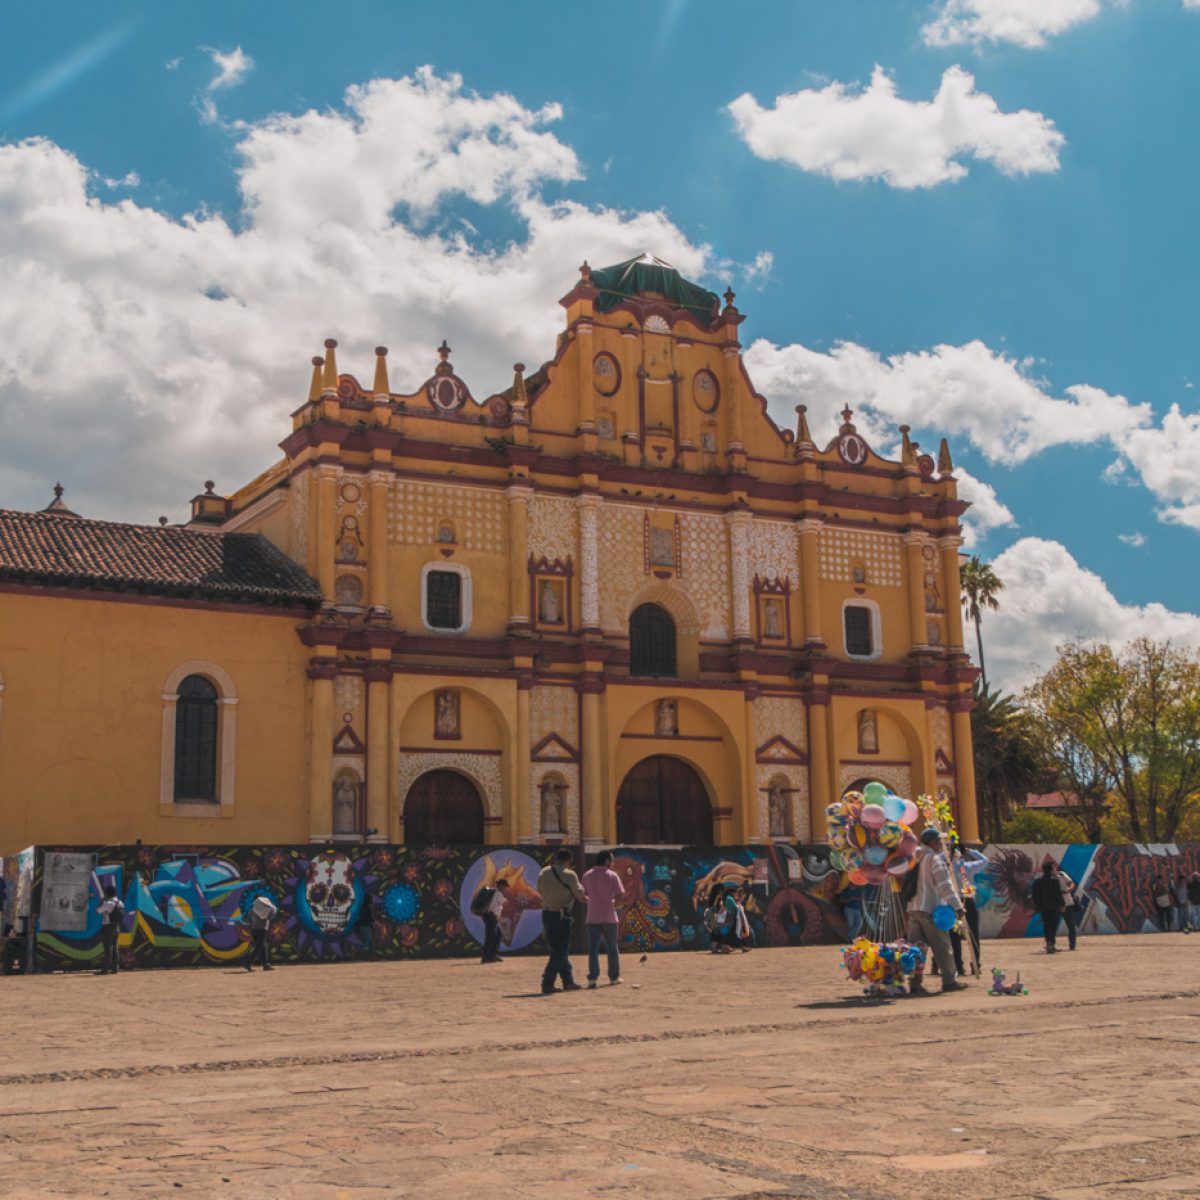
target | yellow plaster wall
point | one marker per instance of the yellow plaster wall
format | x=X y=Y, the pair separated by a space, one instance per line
x=82 y=720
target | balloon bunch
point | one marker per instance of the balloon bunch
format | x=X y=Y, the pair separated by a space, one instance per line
x=882 y=966
x=870 y=834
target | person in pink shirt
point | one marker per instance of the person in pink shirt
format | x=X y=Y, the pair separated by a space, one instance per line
x=604 y=888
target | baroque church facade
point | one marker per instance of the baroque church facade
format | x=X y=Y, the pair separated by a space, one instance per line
x=613 y=603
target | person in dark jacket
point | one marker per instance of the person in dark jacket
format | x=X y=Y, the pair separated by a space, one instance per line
x=1163 y=897
x=1048 y=900
x=112 y=914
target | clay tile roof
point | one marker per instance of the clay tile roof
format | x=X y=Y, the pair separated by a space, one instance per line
x=51 y=549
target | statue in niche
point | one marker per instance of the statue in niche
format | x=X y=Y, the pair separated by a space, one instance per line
x=445 y=720
x=345 y=805
x=666 y=719
x=549 y=610
x=662 y=547
x=772 y=619
x=445 y=533
x=868 y=732
x=552 y=806
x=777 y=809
x=933 y=596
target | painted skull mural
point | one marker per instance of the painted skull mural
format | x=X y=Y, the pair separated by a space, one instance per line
x=329 y=897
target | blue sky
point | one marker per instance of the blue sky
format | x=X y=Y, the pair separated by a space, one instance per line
x=1063 y=257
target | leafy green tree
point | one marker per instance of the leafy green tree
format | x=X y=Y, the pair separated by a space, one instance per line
x=980 y=587
x=1125 y=725
x=1040 y=828
x=1007 y=761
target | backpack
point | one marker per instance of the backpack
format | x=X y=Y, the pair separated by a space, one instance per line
x=908 y=889
x=482 y=901
x=117 y=914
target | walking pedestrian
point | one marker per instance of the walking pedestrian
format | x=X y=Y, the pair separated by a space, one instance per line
x=559 y=888
x=1071 y=909
x=742 y=936
x=1182 y=905
x=1164 y=902
x=604 y=888
x=261 y=912
x=1047 y=898
x=1193 y=895
x=491 y=906
x=718 y=920
x=935 y=887
x=967 y=864
x=112 y=914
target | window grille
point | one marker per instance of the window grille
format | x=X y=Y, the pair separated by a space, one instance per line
x=443 y=600
x=196 y=741
x=651 y=642
x=859 y=637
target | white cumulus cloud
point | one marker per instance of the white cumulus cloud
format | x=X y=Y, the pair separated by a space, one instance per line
x=1049 y=599
x=1021 y=22
x=142 y=354
x=968 y=391
x=1167 y=458
x=875 y=134
x=1136 y=540
x=987 y=511
x=232 y=69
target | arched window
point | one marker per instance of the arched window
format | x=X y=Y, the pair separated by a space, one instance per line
x=651 y=642
x=199 y=741
x=196 y=742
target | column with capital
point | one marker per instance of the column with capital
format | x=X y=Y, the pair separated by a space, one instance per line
x=323 y=554
x=322 y=668
x=964 y=768
x=739 y=559
x=914 y=542
x=378 y=676
x=589 y=566
x=810 y=583
x=378 y=482
x=952 y=584
x=820 y=794
x=594 y=811
x=519 y=496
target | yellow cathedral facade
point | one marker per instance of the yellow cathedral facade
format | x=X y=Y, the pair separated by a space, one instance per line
x=613 y=603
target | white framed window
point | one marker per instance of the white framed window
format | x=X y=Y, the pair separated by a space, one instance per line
x=199 y=723
x=446 y=597
x=862 y=634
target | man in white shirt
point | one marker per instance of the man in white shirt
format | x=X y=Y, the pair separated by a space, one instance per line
x=491 y=923
x=935 y=887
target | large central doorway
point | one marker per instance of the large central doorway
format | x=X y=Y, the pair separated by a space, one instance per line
x=443 y=807
x=663 y=802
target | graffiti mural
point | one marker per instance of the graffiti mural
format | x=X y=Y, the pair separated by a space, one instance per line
x=791 y=895
x=188 y=906
x=1114 y=883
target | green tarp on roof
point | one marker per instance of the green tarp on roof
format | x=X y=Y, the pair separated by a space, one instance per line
x=650 y=274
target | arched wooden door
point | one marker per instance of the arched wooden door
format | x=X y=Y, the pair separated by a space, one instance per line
x=443 y=807
x=663 y=802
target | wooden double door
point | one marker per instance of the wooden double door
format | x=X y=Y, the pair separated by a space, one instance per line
x=663 y=802
x=443 y=807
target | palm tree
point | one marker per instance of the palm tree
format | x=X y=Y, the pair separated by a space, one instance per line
x=979 y=587
x=1008 y=763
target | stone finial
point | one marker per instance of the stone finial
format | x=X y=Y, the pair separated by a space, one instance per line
x=208 y=487
x=58 y=506
x=314 y=388
x=58 y=491
x=847 y=420
x=944 y=464
x=730 y=296
x=162 y=521
x=444 y=366
x=329 y=380
x=908 y=450
x=803 y=434
x=520 y=397
x=381 y=387
x=585 y=272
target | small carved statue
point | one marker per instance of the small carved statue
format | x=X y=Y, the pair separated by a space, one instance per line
x=777 y=808
x=868 y=732
x=552 y=807
x=666 y=719
x=345 y=805
x=772 y=622
x=549 y=611
x=446 y=715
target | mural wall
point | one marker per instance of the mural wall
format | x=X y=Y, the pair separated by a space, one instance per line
x=1116 y=884
x=186 y=906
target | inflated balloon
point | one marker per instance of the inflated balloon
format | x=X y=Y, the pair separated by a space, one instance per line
x=836 y=814
x=874 y=793
x=857 y=877
x=910 y=812
x=837 y=837
x=908 y=844
x=875 y=875
x=890 y=834
x=898 y=864
x=894 y=807
x=944 y=917
x=858 y=836
x=872 y=816
x=875 y=855
x=836 y=861
x=852 y=858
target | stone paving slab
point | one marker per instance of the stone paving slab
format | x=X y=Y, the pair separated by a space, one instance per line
x=731 y=1078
